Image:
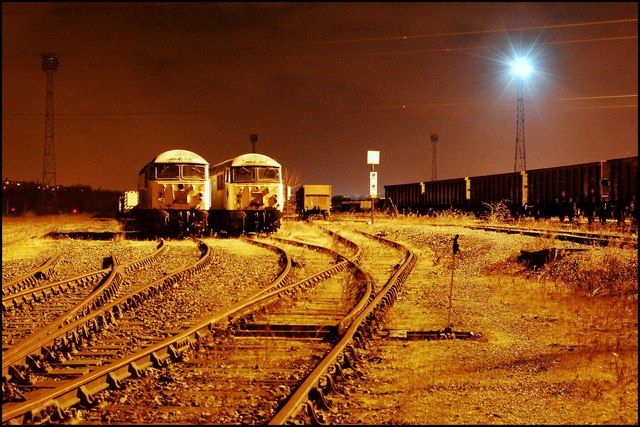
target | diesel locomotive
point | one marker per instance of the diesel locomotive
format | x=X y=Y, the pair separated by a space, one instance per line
x=173 y=196
x=603 y=189
x=180 y=194
x=246 y=195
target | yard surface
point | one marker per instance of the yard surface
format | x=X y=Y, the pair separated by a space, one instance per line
x=556 y=345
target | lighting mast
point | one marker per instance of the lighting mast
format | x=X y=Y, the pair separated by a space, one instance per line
x=521 y=69
x=434 y=170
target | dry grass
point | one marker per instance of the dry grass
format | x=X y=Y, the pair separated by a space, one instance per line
x=598 y=270
x=601 y=271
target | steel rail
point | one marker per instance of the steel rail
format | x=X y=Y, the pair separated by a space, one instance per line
x=32 y=277
x=43 y=406
x=354 y=259
x=584 y=237
x=310 y=394
x=42 y=293
x=52 y=404
x=29 y=349
x=263 y=298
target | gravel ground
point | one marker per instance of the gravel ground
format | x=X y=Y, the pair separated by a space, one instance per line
x=558 y=345
x=550 y=353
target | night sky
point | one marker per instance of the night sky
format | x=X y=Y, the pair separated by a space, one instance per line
x=320 y=84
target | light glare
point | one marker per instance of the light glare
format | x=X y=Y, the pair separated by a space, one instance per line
x=521 y=68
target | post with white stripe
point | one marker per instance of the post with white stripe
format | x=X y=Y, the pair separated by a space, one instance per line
x=373 y=158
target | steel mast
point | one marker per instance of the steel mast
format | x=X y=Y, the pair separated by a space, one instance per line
x=520 y=159
x=434 y=167
x=49 y=65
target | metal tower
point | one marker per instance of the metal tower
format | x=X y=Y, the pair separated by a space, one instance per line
x=49 y=65
x=520 y=162
x=434 y=168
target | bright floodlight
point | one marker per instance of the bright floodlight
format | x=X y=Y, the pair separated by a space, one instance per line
x=521 y=68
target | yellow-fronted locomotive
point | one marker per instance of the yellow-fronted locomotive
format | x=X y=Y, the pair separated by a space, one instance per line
x=246 y=195
x=173 y=196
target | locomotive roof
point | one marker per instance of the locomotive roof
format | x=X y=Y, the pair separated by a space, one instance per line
x=179 y=156
x=253 y=159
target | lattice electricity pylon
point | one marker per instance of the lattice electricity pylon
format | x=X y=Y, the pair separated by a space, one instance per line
x=49 y=65
x=520 y=160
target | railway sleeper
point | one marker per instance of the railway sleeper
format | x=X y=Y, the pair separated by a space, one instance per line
x=317 y=397
x=324 y=333
x=445 y=334
x=50 y=411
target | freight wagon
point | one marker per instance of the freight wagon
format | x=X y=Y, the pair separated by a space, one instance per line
x=509 y=189
x=313 y=199
x=426 y=197
x=602 y=189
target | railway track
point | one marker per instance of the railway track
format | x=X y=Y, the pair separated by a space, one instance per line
x=50 y=349
x=31 y=278
x=273 y=329
x=326 y=302
x=311 y=402
x=583 y=237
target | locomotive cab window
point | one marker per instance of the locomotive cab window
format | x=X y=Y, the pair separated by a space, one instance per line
x=268 y=174
x=242 y=174
x=193 y=171
x=170 y=171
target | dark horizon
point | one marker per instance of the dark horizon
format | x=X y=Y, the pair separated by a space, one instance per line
x=320 y=84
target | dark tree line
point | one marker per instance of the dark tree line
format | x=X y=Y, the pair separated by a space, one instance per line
x=19 y=198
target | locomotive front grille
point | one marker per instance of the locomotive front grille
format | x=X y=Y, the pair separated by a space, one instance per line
x=257 y=198
x=181 y=197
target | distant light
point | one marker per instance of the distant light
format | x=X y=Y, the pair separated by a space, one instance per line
x=74 y=211
x=521 y=68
